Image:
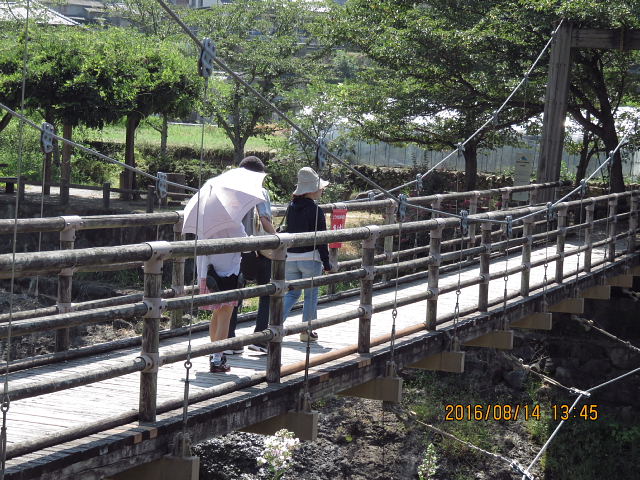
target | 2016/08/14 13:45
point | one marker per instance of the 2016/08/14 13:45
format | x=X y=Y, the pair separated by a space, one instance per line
x=584 y=412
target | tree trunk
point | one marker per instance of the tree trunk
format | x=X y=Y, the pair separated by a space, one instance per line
x=128 y=178
x=65 y=165
x=5 y=121
x=164 y=135
x=610 y=140
x=470 y=166
x=238 y=149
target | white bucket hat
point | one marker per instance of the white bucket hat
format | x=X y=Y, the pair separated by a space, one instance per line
x=309 y=181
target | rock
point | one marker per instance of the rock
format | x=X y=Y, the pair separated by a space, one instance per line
x=622 y=358
x=516 y=378
x=596 y=367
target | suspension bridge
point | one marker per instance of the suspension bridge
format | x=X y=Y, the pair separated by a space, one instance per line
x=131 y=408
x=98 y=411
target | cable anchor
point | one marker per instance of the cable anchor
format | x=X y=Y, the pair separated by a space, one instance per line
x=207 y=54
x=161 y=185
x=509 y=230
x=464 y=222
x=583 y=187
x=402 y=207
x=552 y=214
x=46 y=137
x=371 y=196
x=321 y=154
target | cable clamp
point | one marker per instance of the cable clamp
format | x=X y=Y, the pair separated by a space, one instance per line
x=281 y=287
x=419 y=185
x=65 y=307
x=370 y=271
x=464 y=222
x=577 y=391
x=285 y=239
x=515 y=466
x=484 y=278
x=401 y=213
x=371 y=196
x=367 y=311
x=46 y=137
x=71 y=223
x=374 y=233
x=151 y=362
x=552 y=213
x=207 y=54
x=161 y=185
x=434 y=291
x=562 y=255
x=155 y=306
x=583 y=187
x=321 y=154
x=178 y=290
x=562 y=231
x=159 y=252
x=509 y=225
x=437 y=259
x=278 y=331
x=526 y=266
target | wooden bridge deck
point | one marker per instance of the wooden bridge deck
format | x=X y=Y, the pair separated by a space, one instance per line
x=45 y=415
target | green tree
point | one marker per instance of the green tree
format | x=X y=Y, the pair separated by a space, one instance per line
x=267 y=43
x=454 y=63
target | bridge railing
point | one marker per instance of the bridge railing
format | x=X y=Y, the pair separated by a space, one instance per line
x=155 y=254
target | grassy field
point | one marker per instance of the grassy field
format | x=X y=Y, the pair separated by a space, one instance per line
x=182 y=135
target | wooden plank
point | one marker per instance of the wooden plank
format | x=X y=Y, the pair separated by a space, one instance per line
x=599 y=292
x=500 y=339
x=537 y=321
x=569 y=305
x=452 y=362
x=617 y=39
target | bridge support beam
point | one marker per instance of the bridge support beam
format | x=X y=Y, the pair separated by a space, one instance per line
x=569 y=305
x=536 y=321
x=599 y=292
x=387 y=388
x=304 y=425
x=500 y=339
x=624 y=281
x=452 y=362
x=166 y=468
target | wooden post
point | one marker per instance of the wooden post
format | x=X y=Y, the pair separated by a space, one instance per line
x=177 y=274
x=65 y=278
x=555 y=108
x=434 y=273
x=274 y=352
x=389 y=218
x=106 y=194
x=366 y=293
x=473 y=209
x=483 y=287
x=527 y=234
x=588 y=235
x=633 y=223
x=613 y=204
x=562 y=235
x=151 y=330
x=151 y=197
x=21 y=188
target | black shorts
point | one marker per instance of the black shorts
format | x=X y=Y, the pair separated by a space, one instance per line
x=216 y=283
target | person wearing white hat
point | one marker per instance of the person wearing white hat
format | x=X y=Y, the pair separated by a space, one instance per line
x=303 y=215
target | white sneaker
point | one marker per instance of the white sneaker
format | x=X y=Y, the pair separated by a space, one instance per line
x=237 y=351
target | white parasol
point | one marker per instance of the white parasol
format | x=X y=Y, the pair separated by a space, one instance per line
x=222 y=202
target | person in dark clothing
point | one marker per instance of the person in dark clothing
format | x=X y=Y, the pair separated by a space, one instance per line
x=303 y=215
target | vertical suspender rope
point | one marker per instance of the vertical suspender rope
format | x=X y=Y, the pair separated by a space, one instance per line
x=583 y=189
x=204 y=69
x=6 y=401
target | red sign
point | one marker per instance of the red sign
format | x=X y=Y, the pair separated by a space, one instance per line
x=338 y=219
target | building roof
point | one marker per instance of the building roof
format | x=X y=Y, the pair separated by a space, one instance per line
x=10 y=11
